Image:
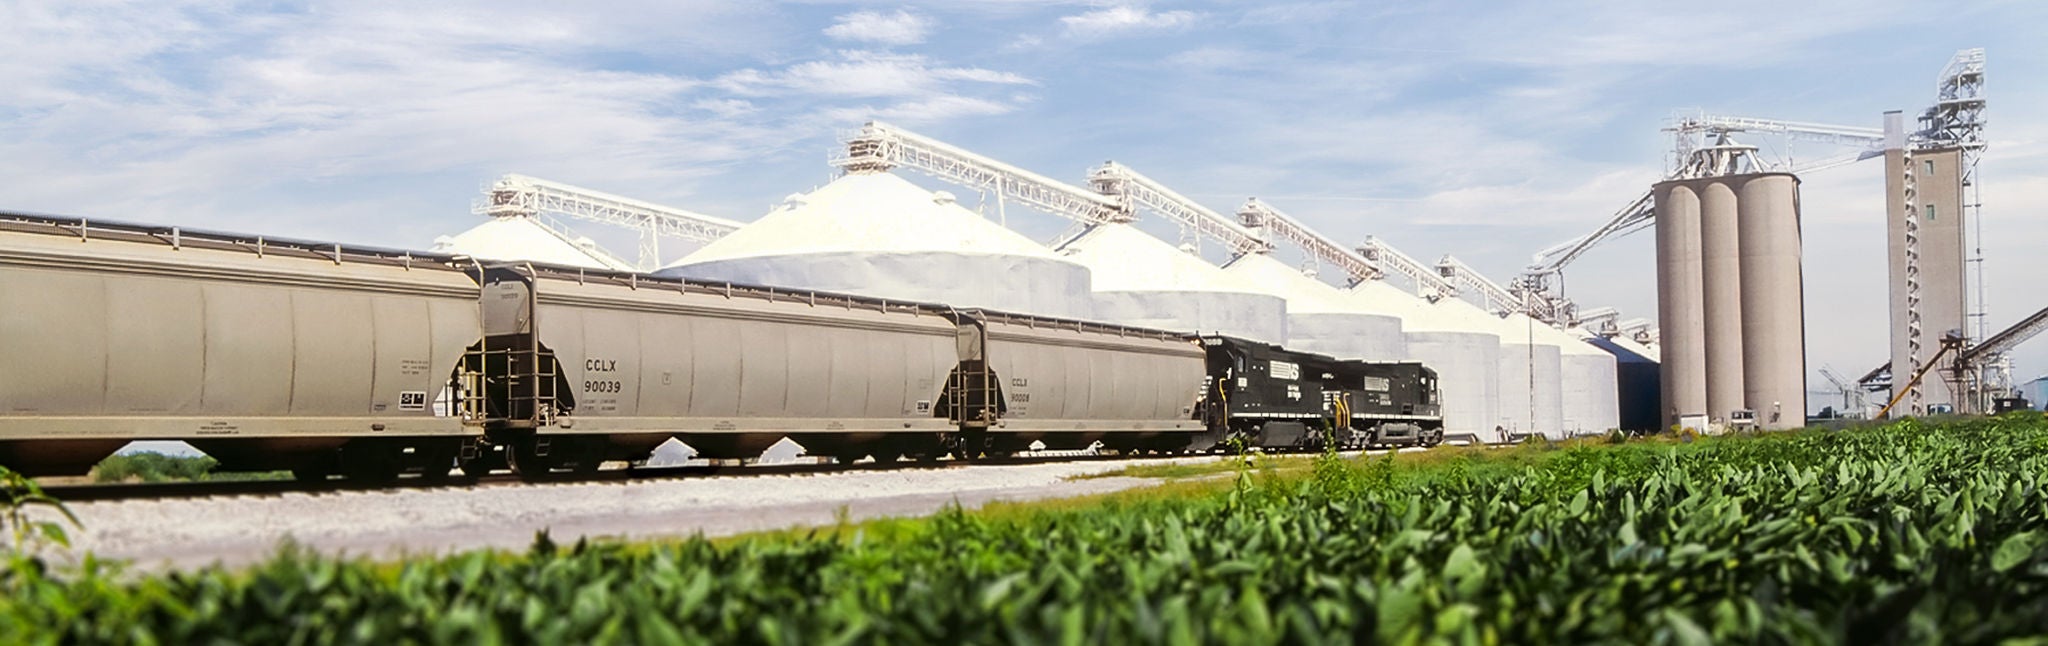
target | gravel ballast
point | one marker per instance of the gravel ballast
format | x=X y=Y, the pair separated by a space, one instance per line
x=390 y=523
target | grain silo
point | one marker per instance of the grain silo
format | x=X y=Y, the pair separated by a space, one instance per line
x=524 y=238
x=1530 y=369
x=1465 y=352
x=1730 y=301
x=1773 y=295
x=876 y=234
x=1142 y=280
x=1591 y=379
x=1321 y=318
x=1681 y=326
x=1637 y=393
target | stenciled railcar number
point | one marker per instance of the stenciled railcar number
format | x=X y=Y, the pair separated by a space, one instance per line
x=602 y=386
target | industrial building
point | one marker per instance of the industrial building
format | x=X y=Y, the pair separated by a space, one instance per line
x=1927 y=260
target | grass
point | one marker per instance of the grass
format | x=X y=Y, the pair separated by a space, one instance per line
x=150 y=466
x=1182 y=481
x=1907 y=533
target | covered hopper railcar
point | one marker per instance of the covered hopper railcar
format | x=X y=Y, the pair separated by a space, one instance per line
x=264 y=354
x=730 y=370
x=327 y=359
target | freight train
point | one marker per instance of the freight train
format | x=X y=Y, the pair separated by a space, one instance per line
x=331 y=360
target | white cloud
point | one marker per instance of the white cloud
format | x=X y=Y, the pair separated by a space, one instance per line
x=256 y=121
x=918 y=111
x=899 y=28
x=1285 y=13
x=1573 y=33
x=862 y=74
x=1121 y=19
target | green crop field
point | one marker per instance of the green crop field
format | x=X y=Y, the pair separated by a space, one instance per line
x=1906 y=533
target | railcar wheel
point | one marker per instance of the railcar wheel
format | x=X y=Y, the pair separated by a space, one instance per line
x=524 y=458
x=848 y=458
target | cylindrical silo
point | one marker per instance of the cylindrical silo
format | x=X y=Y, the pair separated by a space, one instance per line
x=1680 y=322
x=1721 y=297
x=876 y=234
x=1638 y=383
x=1530 y=373
x=1588 y=384
x=1605 y=407
x=1465 y=353
x=1142 y=280
x=1322 y=318
x=1773 y=314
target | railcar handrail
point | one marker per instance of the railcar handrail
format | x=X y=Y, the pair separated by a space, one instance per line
x=179 y=237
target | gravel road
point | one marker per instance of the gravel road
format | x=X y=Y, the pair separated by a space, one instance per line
x=381 y=524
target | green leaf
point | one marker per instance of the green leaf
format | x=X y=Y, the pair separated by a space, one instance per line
x=1461 y=563
x=55 y=533
x=2017 y=549
x=993 y=594
x=1684 y=631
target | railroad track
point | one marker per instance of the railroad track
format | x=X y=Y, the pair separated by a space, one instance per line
x=224 y=488
x=207 y=489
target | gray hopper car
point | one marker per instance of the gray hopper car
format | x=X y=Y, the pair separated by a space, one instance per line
x=326 y=359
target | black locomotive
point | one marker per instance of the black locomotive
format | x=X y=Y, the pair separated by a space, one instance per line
x=1274 y=398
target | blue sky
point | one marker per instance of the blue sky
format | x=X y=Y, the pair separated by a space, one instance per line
x=1484 y=130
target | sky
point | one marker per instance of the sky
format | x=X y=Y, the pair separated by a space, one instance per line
x=1485 y=130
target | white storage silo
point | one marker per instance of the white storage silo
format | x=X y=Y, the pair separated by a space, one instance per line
x=1142 y=280
x=1320 y=317
x=1635 y=379
x=876 y=234
x=1591 y=403
x=512 y=238
x=1531 y=372
x=1465 y=353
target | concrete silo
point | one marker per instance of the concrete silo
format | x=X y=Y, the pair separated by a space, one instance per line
x=1721 y=297
x=1464 y=351
x=1681 y=330
x=1322 y=318
x=1730 y=300
x=876 y=234
x=1773 y=314
x=1142 y=280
